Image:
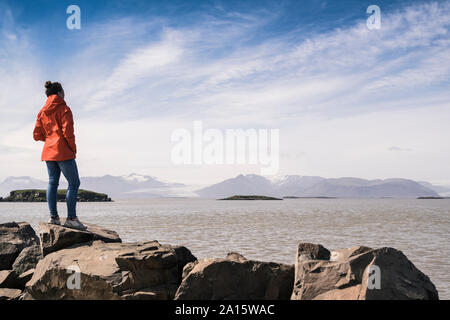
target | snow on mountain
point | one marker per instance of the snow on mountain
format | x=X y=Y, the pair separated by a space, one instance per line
x=124 y=186
x=132 y=178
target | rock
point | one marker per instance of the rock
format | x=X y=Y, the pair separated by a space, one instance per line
x=143 y=270
x=161 y=293
x=25 y=296
x=187 y=268
x=234 y=256
x=8 y=279
x=184 y=256
x=345 y=275
x=310 y=251
x=9 y=294
x=39 y=195
x=24 y=278
x=14 y=237
x=235 y=278
x=54 y=238
x=27 y=259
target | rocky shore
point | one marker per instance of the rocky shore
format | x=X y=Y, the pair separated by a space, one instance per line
x=35 y=195
x=63 y=263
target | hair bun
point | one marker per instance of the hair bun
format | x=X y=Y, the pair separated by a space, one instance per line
x=48 y=84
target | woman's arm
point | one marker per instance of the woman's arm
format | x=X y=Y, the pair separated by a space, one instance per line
x=67 y=128
x=39 y=132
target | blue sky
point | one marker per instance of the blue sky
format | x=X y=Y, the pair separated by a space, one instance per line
x=348 y=101
x=294 y=20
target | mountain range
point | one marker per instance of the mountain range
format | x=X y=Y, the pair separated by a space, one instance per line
x=144 y=186
x=313 y=186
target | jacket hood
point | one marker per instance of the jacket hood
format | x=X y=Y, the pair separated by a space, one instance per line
x=52 y=104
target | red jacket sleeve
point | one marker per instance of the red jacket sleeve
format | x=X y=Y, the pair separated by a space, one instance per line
x=39 y=132
x=67 y=128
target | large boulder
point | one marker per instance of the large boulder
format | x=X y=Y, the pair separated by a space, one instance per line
x=358 y=273
x=27 y=259
x=9 y=294
x=14 y=237
x=143 y=270
x=54 y=237
x=235 y=278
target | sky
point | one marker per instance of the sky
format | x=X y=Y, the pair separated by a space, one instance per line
x=347 y=100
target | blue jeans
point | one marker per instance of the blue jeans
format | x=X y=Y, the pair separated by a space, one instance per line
x=70 y=171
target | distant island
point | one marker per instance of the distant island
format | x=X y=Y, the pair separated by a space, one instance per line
x=240 y=197
x=36 y=195
x=431 y=198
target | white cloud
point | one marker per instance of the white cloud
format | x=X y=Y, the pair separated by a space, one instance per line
x=137 y=67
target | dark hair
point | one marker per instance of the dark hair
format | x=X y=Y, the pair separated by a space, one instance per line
x=52 y=88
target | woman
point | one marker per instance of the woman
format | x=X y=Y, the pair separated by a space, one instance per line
x=54 y=126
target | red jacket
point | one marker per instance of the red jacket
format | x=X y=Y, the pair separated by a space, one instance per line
x=54 y=125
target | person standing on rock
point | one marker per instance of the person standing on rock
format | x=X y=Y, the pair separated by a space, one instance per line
x=54 y=126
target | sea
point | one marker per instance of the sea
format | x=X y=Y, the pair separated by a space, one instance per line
x=270 y=230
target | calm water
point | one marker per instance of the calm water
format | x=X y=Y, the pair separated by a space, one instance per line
x=270 y=230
